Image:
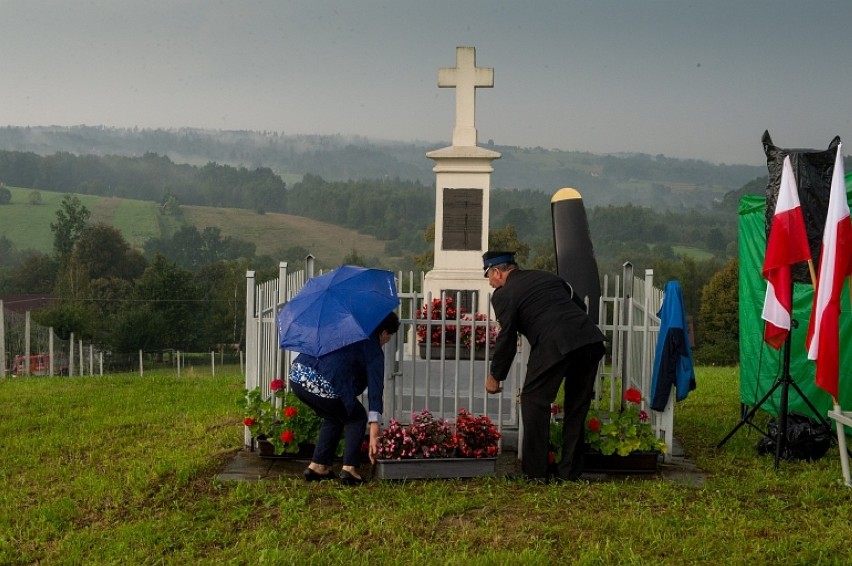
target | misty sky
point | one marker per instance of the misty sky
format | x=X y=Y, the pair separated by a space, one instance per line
x=690 y=79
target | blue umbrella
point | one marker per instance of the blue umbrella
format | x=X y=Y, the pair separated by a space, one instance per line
x=336 y=309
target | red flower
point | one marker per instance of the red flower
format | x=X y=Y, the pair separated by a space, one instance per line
x=643 y=416
x=633 y=395
x=551 y=457
x=290 y=412
x=554 y=409
x=287 y=436
x=248 y=421
x=594 y=424
x=276 y=384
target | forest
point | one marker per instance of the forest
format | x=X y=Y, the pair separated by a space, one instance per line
x=109 y=290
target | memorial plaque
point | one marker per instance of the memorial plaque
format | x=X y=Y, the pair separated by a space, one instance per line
x=462 y=228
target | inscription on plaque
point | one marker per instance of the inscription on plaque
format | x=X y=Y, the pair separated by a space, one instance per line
x=462 y=228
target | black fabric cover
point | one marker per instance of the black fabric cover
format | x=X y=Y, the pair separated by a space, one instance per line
x=813 y=170
x=806 y=438
x=575 y=255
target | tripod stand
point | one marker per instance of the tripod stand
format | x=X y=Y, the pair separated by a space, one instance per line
x=784 y=382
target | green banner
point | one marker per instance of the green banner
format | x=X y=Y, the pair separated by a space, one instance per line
x=761 y=365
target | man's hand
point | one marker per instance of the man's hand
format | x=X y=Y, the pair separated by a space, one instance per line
x=492 y=385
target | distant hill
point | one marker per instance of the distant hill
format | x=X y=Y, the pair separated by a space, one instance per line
x=654 y=181
x=27 y=226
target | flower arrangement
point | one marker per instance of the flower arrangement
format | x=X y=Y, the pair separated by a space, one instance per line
x=476 y=437
x=477 y=334
x=428 y=437
x=285 y=425
x=624 y=431
x=470 y=333
x=438 y=333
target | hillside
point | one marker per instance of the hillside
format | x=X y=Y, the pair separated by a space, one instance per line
x=27 y=225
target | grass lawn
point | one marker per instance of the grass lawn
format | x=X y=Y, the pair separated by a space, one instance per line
x=121 y=470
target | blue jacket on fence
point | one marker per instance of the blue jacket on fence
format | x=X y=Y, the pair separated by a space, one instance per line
x=673 y=358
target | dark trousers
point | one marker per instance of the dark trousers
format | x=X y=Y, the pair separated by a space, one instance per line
x=578 y=369
x=336 y=422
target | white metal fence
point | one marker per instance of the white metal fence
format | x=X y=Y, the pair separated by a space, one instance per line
x=628 y=318
x=27 y=348
x=443 y=378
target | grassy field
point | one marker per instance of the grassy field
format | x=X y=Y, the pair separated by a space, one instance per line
x=28 y=226
x=695 y=253
x=122 y=470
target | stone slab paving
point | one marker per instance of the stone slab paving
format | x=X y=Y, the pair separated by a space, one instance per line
x=249 y=466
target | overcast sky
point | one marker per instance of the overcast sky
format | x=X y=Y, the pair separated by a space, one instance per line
x=690 y=79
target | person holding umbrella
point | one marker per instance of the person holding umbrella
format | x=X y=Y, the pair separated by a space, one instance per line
x=340 y=322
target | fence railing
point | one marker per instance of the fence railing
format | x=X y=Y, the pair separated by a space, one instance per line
x=29 y=349
x=628 y=318
x=445 y=376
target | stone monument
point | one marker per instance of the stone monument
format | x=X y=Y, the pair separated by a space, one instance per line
x=462 y=184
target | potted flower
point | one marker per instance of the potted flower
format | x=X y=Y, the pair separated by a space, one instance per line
x=287 y=427
x=437 y=448
x=438 y=333
x=471 y=331
x=425 y=437
x=476 y=437
x=475 y=335
x=617 y=441
x=624 y=431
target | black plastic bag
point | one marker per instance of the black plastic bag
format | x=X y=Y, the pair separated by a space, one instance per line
x=807 y=439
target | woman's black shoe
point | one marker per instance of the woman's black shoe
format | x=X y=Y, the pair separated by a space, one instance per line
x=311 y=475
x=348 y=479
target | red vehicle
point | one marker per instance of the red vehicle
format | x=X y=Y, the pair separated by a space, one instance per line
x=40 y=364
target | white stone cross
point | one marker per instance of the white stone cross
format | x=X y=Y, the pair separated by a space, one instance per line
x=465 y=77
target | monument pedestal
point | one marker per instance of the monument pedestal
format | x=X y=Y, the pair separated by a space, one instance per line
x=451 y=280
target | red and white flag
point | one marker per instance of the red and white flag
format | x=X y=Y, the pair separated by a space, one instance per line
x=834 y=266
x=787 y=245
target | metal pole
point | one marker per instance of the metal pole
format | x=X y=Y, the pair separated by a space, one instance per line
x=71 y=355
x=251 y=338
x=50 y=350
x=27 y=344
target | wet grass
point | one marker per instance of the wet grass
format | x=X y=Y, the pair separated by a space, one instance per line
x=122 y=470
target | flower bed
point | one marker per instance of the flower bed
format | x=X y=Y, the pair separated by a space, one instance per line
x=453 y=326
x=634 y=463
x=450 y=352
x=620 y=441
x=443 y=468
x=436 y=448
x=623 y=431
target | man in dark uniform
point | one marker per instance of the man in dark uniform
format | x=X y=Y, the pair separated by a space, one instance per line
x=564 y=344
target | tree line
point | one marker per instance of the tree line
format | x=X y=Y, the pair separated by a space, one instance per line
x=394 y=210
x=151 y=177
